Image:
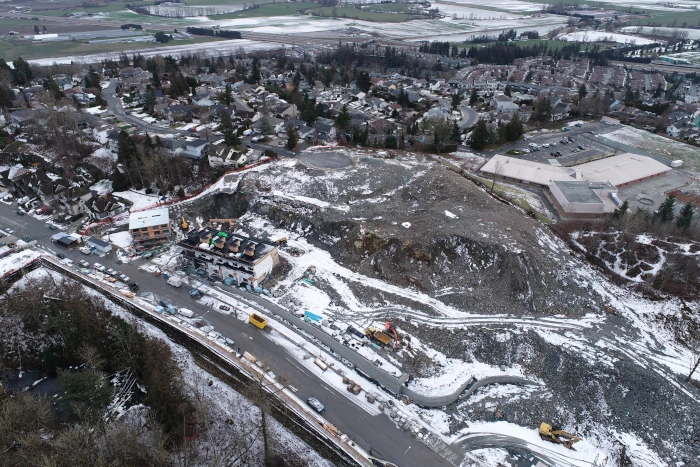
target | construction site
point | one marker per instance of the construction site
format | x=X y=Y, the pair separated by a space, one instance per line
x=465 y=308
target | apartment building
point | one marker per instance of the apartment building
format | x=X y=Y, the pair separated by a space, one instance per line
x=150 y=228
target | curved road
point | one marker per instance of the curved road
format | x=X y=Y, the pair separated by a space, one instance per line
x=115 y=106
x=469 y=117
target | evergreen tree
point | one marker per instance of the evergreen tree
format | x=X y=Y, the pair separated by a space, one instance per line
x=685 y=218
x=127 y=152
x=506 y=91
x=343 y=119
x=666 y=213
x=456 y=100
x=390 y=142
x=621 y=212
x=265 y=127
x=254 y=77
x=22 y=73
x=149 y=100
x=514 y=128
x=473 y=97
x=582 y=91
x=363 y=81
x=292 y=136
x=119 y=181
x=227 y=98
x=226 y=127
x=6 y=96
x=480 y=136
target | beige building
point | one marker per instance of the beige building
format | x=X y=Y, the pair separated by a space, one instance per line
x=150 y=228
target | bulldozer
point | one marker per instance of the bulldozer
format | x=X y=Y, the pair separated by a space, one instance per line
x=557 y=436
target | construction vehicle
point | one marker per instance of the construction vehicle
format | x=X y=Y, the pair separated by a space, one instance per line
x=392 y=331
x=379 y=336
x=257 y=321
x=183 y=223
x=557 y=436
x=281 y=241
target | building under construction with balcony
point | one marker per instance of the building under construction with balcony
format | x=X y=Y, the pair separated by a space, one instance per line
x=227 y=255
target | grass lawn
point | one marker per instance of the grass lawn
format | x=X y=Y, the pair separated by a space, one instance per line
x=269 y=9
x=679 y=19
x=10 y=50
x=392 y=7
x=350 y=12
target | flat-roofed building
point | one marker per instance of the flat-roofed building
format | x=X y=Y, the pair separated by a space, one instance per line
x=586 y=190
x=150 y=228
x=228 y=255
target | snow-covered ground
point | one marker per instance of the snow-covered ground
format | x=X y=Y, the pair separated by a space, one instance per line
x=603 y=36
x=656 y=144
x=121 y=239
x=139 y=199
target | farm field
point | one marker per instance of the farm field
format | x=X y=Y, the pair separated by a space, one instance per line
x=354 y=13
x=268 y=10
x=10 y=50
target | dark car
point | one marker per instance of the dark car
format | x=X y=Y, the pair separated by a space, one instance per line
x=20 y=213
x=27 y=238
x=316 y=404
x=164 y=303
x=53 y=227
x=224 y=308
x=61 y=256
x=133 y=286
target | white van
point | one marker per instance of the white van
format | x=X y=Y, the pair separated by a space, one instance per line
x=175 y=281
x=186 y=312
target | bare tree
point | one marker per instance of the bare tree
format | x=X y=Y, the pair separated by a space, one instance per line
x=694 y=358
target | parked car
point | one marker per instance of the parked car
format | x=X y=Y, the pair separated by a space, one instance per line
x=53 y=227
x=3 y=243
x=20 y=213
x=224 y=308
x=85 y=250
x=84 y=263
x=581 y=147
x=133 y=286
x=124 y=278
x=111 y=272
x=99 y=267
x=60 y=256
x=315 y=404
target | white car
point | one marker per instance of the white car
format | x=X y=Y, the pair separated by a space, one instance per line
x=85 y=250
x=99 y=267
x=316 y=404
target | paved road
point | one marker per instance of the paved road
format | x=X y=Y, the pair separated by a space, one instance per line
x=326 y=159
x=376 y=432
x=115 y=106
x=469 y=117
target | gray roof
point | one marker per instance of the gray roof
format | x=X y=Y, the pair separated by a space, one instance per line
x=98 y=242
x=580 y=192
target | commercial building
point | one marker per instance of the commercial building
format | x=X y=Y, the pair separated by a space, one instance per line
x=150 y=228
x=586 y=190
x=99 y=246
x=227 y=255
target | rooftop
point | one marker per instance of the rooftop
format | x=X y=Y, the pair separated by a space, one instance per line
x=144 y=219
x=582 y=192
x=228 y=245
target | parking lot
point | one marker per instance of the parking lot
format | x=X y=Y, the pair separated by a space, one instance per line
x=651 y=193
x=556 y=147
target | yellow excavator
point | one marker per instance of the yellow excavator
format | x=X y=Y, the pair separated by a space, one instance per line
x=557 y=436
x=184 y=224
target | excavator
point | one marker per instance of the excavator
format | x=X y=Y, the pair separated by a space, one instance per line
x=557 y=436
x=184 y=224
x=390 y=329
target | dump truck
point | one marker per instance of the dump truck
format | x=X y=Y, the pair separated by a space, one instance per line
x=557 y=436
x=379 y=336
x=257 y=320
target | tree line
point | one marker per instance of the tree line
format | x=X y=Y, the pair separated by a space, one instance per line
x=214 y=32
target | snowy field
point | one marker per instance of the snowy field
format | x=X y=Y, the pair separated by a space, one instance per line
x=692 y=33
x=602 y=36
x=204 y=49
x=656 y=144
x=504 y=5
x=139 y=199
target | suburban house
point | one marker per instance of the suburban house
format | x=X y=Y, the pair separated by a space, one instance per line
x=504 y=103
x=221 y=155
x=150 y=228
x=103 y=207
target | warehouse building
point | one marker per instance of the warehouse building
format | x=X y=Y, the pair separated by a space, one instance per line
x=586 y=190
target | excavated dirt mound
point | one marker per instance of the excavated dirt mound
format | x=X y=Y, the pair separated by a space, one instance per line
x=419 y=225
